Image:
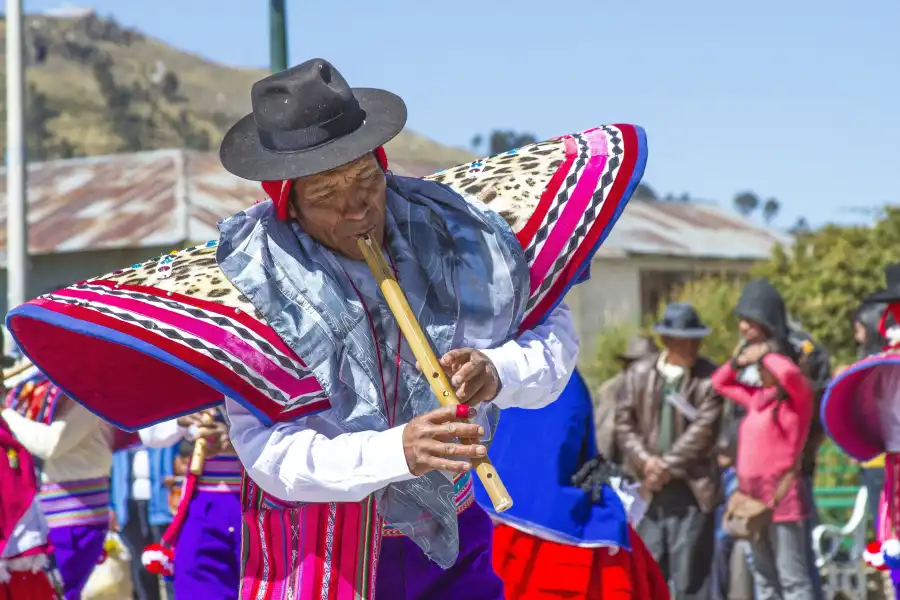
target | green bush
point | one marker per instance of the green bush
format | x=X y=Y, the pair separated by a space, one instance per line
x=605 y=364
x=827 y=273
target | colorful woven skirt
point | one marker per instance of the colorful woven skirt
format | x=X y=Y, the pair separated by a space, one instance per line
x=78 y=515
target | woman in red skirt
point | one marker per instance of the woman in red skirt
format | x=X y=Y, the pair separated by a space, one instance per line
x=568 y=535
x=26 y=562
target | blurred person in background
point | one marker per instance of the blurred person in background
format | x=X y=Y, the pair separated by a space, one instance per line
x=140 y=502
x=27 y=570
x=74 y=450
x=667 y=422
x=771 y=439
x=605 y=397
x=205 y=535
x=764 y=319
x=731 y=576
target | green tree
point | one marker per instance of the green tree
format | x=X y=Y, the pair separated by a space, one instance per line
x=746 y=203
x=610 y=343
x=826 y=273
x=770 y=209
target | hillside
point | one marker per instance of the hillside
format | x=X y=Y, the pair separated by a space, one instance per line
x=95 y=87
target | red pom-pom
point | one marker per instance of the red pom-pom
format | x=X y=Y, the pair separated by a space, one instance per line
x=159 y=560
x=874 y=557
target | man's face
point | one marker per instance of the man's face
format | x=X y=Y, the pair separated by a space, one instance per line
x=337 y=207
x=681 y=352
x=752 y=331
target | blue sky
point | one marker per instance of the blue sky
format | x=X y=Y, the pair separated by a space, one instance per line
x=794 y=99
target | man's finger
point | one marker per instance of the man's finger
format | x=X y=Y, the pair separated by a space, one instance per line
x=445 y=415
x=468 y=391
x=465 y=373
x=456 y=357
x=450 y=431
x=453 y=450
x=445 y=464
x=482 y=395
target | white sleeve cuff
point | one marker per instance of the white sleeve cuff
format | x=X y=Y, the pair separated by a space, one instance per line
x=386 y=447
x=504 y=360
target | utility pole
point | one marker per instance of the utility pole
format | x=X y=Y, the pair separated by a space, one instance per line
x=277 y=36
x=16 y=200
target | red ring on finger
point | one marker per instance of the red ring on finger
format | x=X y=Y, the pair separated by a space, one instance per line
x=462 y=411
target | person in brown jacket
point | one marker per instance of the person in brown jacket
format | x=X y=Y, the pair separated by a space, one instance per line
x=605 y=397
x=667 y=422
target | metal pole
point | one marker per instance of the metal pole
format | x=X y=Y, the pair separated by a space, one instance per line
x=277 y=36
x=16 y=201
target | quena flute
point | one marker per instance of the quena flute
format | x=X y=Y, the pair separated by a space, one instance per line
x=198 y=456
x=421 y=349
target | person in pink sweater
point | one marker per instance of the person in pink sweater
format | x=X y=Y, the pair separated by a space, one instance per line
x=770 y=441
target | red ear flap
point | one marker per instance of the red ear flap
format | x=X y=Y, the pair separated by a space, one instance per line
x=279 y=192
x=381 y=157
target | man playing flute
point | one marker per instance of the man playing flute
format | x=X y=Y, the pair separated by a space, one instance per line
x=348 y=458
x=329 y=198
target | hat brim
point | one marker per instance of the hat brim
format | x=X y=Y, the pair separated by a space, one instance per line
x=686 y=334
x=889 y=295
x=850 y=414
x=243 y=155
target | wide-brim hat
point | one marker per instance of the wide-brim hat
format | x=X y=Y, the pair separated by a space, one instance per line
x=851 y=414
x=308 y=120
x=680 y=320
x=172 y=335
x=891 y=292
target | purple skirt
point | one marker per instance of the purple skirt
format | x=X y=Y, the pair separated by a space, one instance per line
x=208 y=552
x=405 y=573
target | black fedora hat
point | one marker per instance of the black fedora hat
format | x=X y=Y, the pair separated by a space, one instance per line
x=681 y=321
x=891 y=292
x=308 y=120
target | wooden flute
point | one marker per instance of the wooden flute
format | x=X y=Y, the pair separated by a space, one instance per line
x=198 y=456
x=421 y=349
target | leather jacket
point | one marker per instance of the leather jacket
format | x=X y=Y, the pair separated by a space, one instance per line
x=692 y=455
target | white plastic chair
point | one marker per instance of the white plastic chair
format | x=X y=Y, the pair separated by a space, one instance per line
x=848 y=574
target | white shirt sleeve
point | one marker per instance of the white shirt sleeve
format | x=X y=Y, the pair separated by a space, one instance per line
x=163 y=435
x=535 y=367
x=298 y=463
x=47 y=442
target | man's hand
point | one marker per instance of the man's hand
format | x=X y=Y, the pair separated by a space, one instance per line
x=428 y=439
x=656 y=474
x=188 y=420
x=216 y=436
x=472 y=375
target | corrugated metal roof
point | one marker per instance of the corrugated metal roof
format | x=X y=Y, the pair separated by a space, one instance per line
x=689 y=230
x=158 y=198
x=168 y=197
